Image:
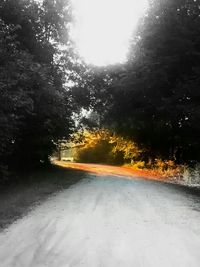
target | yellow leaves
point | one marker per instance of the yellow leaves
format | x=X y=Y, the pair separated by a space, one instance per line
x=164 y=165
x=138 y=165
x=128 y=147
x=117 y=144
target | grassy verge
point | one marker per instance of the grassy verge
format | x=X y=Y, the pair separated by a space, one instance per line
x=169 y=171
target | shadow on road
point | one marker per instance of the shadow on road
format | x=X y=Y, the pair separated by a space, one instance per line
x=19 y=197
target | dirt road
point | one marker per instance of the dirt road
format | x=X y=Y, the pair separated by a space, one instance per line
x=106 y=221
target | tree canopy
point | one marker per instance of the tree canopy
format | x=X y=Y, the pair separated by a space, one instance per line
x=154 y=98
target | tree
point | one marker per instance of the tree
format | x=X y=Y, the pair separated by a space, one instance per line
x=154 y=98
x=103 y=146
x=35 y=104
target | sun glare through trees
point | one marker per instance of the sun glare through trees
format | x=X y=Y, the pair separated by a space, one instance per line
x=99 y=133
x=102 y=29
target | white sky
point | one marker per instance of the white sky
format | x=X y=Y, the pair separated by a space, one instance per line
x=102 y=28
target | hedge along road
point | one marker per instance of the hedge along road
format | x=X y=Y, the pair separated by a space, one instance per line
x=107 y=221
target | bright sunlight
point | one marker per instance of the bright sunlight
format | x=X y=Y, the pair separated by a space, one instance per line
x=102 y=28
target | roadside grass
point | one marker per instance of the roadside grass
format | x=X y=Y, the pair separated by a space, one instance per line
x=168 y=170
x=20 y=196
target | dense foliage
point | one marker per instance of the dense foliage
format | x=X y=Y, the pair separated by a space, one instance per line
x=102 y=146
x=155 y=97
x=35 y=106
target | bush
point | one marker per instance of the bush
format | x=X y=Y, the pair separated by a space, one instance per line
x=191 y=175
x=101 y=146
